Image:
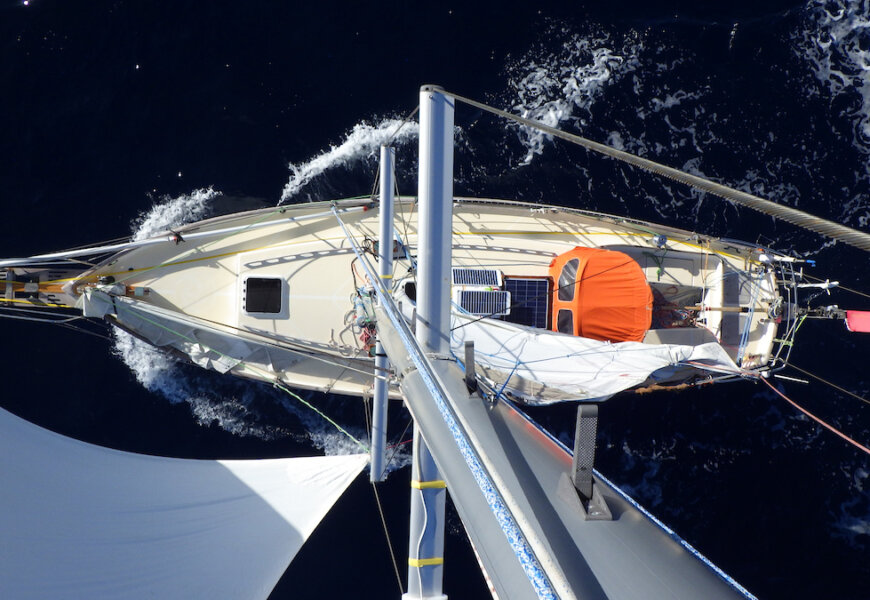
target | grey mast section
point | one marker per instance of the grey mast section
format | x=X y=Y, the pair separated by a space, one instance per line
x=628 y=557
x=435 y=219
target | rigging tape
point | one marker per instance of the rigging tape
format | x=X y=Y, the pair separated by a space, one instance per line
x=836 y=231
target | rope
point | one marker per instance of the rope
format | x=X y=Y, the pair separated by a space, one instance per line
x=836 y=231
x=830 y=428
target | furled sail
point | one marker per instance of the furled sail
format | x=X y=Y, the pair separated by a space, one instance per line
x=82 y=521
x=541 y=367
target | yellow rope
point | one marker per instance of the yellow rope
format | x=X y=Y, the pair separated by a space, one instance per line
x=32 y=303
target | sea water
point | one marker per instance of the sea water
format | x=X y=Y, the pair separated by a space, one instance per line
x=122 y=118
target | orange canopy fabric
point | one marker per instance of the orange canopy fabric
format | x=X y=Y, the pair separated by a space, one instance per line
x=600 y=294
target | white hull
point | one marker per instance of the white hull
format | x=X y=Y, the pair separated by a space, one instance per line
x=189 y=295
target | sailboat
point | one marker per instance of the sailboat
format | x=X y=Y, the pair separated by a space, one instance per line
x=465 y=308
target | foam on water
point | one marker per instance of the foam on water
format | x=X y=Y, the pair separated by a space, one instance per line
x=227 y=405
x=837 y=42
x=363 y=142
x=558 y=87
x=647 y=95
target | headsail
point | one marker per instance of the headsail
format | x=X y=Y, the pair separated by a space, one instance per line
x=81 y=521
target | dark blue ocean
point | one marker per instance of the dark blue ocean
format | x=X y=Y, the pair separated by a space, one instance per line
x=125 y=116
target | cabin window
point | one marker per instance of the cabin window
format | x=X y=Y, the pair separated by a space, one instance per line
x=262 y=295
x=567 y=280
x=565 y=321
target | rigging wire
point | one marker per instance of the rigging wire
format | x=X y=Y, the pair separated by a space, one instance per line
x=59 y=321
x=830 y=428
x=387 y=536
x=833 y=385
x=86 y=331
x=853 y=237
x=404 y=122
x=199 y=249
x=395 y=447
x=842 y=287
x=368 y=417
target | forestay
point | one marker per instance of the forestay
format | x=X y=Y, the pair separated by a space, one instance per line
x=81 y=521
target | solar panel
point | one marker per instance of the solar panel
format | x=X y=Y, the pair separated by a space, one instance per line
x=530 y=301
x=485 y=303
x=476 y=277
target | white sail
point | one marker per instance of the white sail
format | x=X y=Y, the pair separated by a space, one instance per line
x=82 y=521
x=542 y=367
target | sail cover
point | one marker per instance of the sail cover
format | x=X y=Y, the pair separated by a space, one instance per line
x=542 y=367
x=81 y=521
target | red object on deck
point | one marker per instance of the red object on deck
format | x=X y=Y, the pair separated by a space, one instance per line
x=600 y=294
x=858 y=320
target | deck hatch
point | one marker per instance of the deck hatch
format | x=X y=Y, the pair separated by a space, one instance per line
x=262 y=295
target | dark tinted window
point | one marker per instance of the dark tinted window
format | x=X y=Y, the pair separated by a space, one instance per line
x=565 y=321
x=262 y=295
x=567 y=278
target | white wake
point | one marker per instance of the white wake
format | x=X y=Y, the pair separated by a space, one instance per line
x=363 y=142
x=170 y=213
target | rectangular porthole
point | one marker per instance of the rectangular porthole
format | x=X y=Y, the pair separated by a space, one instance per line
x=262 y=295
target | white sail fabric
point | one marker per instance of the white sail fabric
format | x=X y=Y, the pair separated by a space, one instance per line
x=81 y=521
x=542 y=367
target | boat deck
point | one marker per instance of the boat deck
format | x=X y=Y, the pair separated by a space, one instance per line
x=312 y=264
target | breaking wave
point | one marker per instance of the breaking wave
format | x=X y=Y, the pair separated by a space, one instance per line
x=363 y=142
x=174 y=212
